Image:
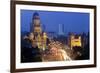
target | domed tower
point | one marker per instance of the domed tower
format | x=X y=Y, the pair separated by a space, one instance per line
x=36 y=23
x=36 y=30
x=37 y=36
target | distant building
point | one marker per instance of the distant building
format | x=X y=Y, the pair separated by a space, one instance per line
x=85 y=39
x=51 y=35
x=61 y=29
x=74 y=40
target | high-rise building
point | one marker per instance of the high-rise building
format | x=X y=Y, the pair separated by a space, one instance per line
x=61 y=29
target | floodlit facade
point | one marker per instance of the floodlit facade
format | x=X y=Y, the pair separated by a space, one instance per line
x=37 y=36
x=74 y=40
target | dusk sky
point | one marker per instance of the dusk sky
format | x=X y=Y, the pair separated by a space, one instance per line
x=72 y=21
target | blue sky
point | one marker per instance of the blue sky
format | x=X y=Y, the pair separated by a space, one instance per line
x=72 y=21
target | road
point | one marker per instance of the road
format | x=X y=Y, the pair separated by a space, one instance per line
x=55 y=53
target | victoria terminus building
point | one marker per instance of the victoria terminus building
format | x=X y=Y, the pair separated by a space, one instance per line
x=40 y=45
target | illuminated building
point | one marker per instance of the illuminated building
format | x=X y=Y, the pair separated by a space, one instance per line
x=44 y=40
x=37 y=36
x=74 y=40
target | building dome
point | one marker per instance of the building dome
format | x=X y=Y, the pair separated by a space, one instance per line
x=36 y=15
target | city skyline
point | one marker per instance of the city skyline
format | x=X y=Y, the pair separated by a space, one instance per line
x=71 y=21
x=49 y=46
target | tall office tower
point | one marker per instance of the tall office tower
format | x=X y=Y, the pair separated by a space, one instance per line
x=61 y=29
